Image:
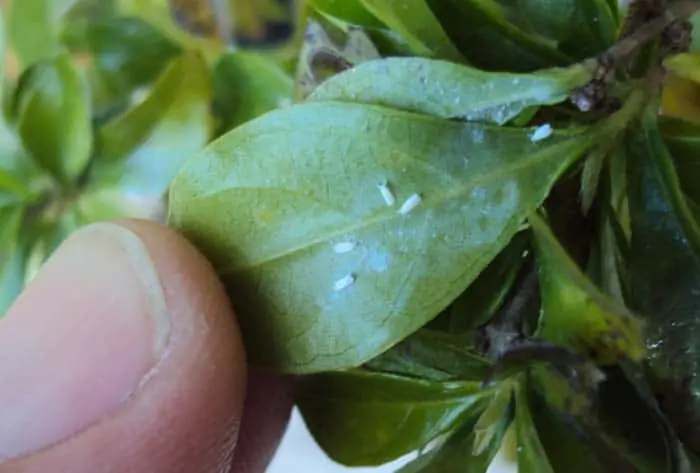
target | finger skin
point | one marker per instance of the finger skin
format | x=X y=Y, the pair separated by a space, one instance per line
x=186 y=418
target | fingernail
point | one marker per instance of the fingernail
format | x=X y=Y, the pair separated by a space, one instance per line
x=81 y=340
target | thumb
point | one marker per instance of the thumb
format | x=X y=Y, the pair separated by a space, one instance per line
x=121 y=356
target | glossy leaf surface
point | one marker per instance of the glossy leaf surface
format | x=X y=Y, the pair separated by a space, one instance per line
x=448 y=90
x=269 y=201
x=54 y=122
x=362 y=418
x=575 y=312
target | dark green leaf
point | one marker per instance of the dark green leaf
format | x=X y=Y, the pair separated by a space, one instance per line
x=447 y=90
x=54 y=118
x=416 y=23
x=362 y=418
x=580 y=28
x=140 y=151
x=665 y=276
x=475 y=306
x=34 y=29
x=128 y=53
x=455 y=454
x=433 y=355
x=11 y=258
x=683 y=141
x=575 y=312
x=489 y=41
x=532 y=456
x=269 y=201
x=246 y=85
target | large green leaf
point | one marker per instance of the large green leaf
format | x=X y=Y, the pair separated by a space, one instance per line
x=11 y=258
x=581 y=28
x=362 y=418
x=269 y=202
x=575 y=312
x=448 y=90
x=488 y=40
x=665 y=276
x=54 y=118
x=128 y=53
x=246 y=85
x=140 y=151
x=35 y=29
x=416 y=23
x=432 y=355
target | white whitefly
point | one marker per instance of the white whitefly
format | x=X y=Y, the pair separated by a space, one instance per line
x=410 y=204
x=344 y=282
x=344 y=247
x=386 y=193
x=542 y=133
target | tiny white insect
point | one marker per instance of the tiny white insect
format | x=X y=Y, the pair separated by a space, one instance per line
x=344 y=282
x=542 y=133
x=386 y=193
x=410 y=204
x=344 y=247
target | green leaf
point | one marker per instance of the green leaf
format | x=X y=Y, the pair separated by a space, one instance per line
x=581 y=28
x=128 y=53
x=416 y=23
x=35 y=30
x=269 y=201
x=683 y=141
x=450 y=90
x=532 y=456
x=54 y=118
x=348 y=11
x=665 y=276
x=361 y=418
x=488 y=40
x=489 y=426
x=575 y=312
x=432 y=355
x=140 y=151
x=454 y=455
x=11 y=258
x=475 y=306
x=247 y=85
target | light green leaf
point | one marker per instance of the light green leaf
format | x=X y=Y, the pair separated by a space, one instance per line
x=11 y=257
x=246 y=85
x=348 y=11
x=532 y=456
x=454 y=455
x=35 y=30
x=488 y=427
x=269 y=201
x=416 y=23
x=665 y=276
x=362 y=418
x=54 y=118
x=449 y=90
x=140 y=151
x=581 y=28
x=488 y=40
x=433 y=355
x=575 y=312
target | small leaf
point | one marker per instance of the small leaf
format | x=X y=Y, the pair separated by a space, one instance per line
x=247 y=85
x=269 y=201
x=11 y=257
x=488 y=40
x=450 y=90
x=685 y=66
x=532 y=456
x=349 y=11
x=416 y=23
x=128 y=53
x=590 y=177
x=665 y=275
x=54 y=120
x=575 y=312
x=681 y=98
x=432 y=355
x=362 y=418
x=140 y=151
x=488 y=427
x=475 y=306
x=683 y=141
x=580 y=28
x=454 y=455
